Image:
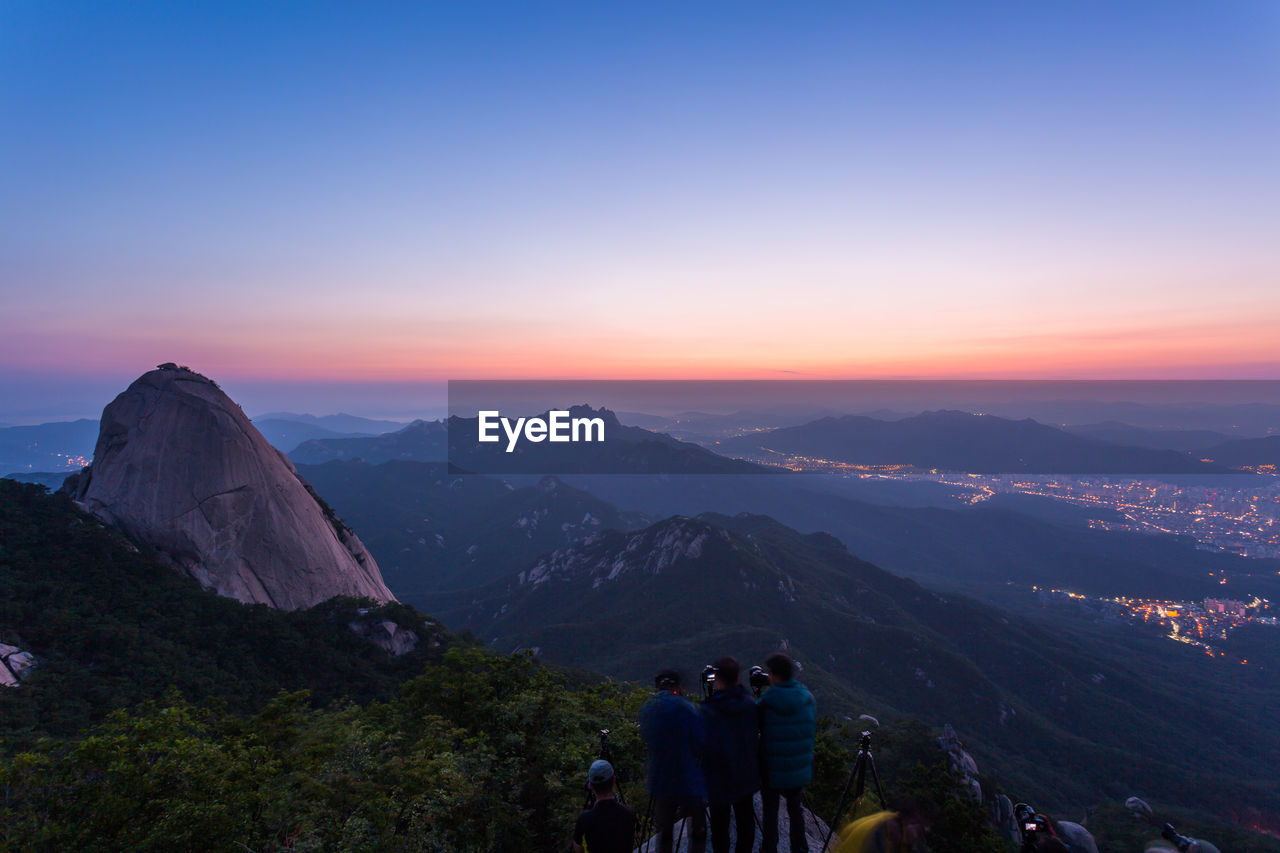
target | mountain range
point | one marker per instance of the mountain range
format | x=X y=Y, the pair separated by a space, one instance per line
x=514 y=563
x=419 y=441
x=685 y=590
x=979 y=549
x=1247 y=451
x=624 y=450
x=47 y=449
x=340 y=423
x=599 y=573
x=1182 y=440
x=52 y=447
x=437 y=530
x=959 y=441
x=63 y=446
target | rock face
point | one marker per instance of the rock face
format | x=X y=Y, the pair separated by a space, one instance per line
x=961 y=763
x=385 y=633
x=815 y=831
x=14 y=663
x=179 y=467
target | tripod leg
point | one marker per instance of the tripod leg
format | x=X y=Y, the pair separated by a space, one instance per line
x=875 y=777
x=645 y=827
x=855 y=774
x=861 y=787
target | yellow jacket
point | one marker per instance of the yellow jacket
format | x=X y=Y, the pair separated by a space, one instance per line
x=865 y=836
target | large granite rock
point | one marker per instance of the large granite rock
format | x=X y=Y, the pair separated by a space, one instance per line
x=179 y=467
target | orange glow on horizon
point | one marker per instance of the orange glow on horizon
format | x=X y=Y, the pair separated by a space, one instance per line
x=402 y=350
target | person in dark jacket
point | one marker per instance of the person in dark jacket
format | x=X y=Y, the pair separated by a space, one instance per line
x=731 y=760
x=608 y=826
x=788 y=725
x=674 y=734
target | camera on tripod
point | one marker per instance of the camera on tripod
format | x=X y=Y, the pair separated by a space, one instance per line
x=709 y=673
x=759 y=679
x=858 y=778
x=1033 y=826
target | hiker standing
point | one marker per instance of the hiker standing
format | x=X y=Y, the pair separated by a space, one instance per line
x=731 y=761
x=673 y=733
x=788 y=725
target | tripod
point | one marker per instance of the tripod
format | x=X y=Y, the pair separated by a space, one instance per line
x=857 y=781
x=607 y=754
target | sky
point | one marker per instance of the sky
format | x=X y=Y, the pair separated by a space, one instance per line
x=349 y=196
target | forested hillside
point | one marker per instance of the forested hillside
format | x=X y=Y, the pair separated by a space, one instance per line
x=161 y=717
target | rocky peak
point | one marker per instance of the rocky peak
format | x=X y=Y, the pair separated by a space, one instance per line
x=179 y=467
x=608 y=557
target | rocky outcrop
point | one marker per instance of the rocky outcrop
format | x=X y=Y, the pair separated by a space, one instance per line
x=14 y=663
x=179 y=467
x=384 y=633
x=961 y=763
x=815 y=831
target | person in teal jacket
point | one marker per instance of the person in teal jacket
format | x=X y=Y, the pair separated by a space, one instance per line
x=788 y=724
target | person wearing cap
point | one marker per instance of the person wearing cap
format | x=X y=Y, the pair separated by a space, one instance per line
x=673 y=733
x=608 y=826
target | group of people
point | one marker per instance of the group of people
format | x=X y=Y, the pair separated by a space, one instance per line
x=711 y=759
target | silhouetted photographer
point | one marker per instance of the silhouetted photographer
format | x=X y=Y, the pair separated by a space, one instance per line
x=608 y=826
x=673 y=732
x=788 y=725
x=731 y=761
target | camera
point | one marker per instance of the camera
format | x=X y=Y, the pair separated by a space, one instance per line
x=1034 y=826
x=759 y=678
x=709 y=673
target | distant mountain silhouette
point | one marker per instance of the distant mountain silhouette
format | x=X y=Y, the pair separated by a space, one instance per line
x=420 y=441
x=285 y=435
x=1184 y=440
x=625 y=450
x=1247 y=451
x=341 y=423
x=47 y=447
x=960 y=441
x=707 y=428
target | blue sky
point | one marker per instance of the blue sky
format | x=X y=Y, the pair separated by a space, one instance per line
x=388 y=192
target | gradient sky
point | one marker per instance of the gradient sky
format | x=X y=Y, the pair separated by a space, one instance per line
x=409 y=192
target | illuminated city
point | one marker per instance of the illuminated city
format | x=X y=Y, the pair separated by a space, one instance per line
x=1241 y=519
x=1199 y=624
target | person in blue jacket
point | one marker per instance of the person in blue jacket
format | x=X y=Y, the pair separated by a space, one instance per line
x=731 y=762
x=674 y=734
x=788 y=724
